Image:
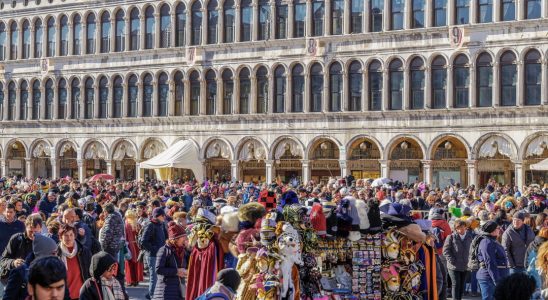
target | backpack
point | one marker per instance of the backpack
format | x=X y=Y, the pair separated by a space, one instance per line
x=473 y=262
x=438 y=233
x=207 y=296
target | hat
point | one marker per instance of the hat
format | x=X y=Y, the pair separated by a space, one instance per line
x=288 y=198
x=89 y=207
x=101 y=262
x=436 y=214
x=157 y=212
x=519 y=215
x=206 y=215
x=489 y=226
x=229 y=278
x=43 y=246
x=175 y=231
x=467 y=211
x=141 y=204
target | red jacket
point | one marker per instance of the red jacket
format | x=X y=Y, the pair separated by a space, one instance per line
x=443 y=232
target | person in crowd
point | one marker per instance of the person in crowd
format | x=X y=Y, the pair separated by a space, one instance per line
x=102 y=284
x=171 y=264
x=47 y=279
x=83 y=232
x=515 y=240
x=48 y=203
x=456 y=250
x=225 y=286
x=532 y=255
x=111 y=235
x=76 y=258
x=153 y=238
x=537 y=205
x=515 y=286
x=9 y=226
x=492 y=259
x=441 y=231
x=133 y=267
x=90 y=217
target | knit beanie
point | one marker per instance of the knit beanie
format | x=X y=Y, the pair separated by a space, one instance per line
x=101 y=262
x=175 y=231
x=489 y=227
x=317 y=219
x=43 y=246
x=229 y=278
x=157 y=212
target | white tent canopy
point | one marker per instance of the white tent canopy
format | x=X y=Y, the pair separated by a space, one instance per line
x=541 y=166
x=182 y=154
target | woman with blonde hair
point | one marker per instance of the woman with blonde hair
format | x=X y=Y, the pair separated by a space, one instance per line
x=134 y=267
x=542 y=267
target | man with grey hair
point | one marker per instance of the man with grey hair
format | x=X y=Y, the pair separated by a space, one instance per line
x=515 y=241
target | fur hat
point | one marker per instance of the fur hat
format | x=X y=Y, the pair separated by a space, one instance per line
x=251 y=212
x=229 y=222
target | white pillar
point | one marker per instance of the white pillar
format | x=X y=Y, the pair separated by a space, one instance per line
x=344 y=169
x=109 y=166
x=427 y=171
x=269 y=171
x=385 y=168
x=54 y=167
x=306 y=171
x=81 y=171
x=496 y=101
x=137 y=170
x=472 y=171
x=520 y=180
x=234 y=172
x=3 y=166
x=28 y=163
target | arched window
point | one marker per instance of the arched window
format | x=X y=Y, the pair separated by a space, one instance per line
x=396 y=85
x=62 y=99
x=508 y=79
x=397 y=10
x=462 y=12
x=24 y=97
x=194 y=93
x=75 y=99
x=355 y=84
x=337 y=16
x=26 y=39
x=211 y=92
x=228 y=91
x=377 y=12
x=132 y=94
x=439 y=82
x=297 y=88
x=418 y=14
x=245 y=91
x=375 y=85
x=318 y=12
x=163 y=94
x=316 y=87
x=38 y=35
x=439 y=11
x=262 y=90
x=64 y=35
x=356 y=15
x=51 y=37
x=117 y=97
x=533 y=78
x=299 y=20
x=89 y=99
x=134 y=29
x=105 y=32
x=196 y=38
x=282 y=19
x=264 y=20
x=335 y=87
x=103 y=98
x=77 y=36
x=2 y=41
x=90 y=34
x=120 y=40
x=279 y=90
x=150 y=25
x=485 y=11
x=416 y=94
x=229 y=19
x=485 y=80
x=533 y=9
x=180 y=24
x=36 y=96
x=147 y=96
x=461 y=79
x=14 y=40
x=212 y=21
x=246 y=19
x=179 y=93
x=508 y=10
x=11 y=101
x=49 y=100
x=165 y=27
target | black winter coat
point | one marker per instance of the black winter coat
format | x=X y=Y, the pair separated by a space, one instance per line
x=154 y=237
x=84 y=260
x=19 y=246
x=168 y=284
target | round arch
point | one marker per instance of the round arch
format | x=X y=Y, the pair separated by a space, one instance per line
x=362 y=157
x=405 y=154
x=124 y=156
x=251 y=153
x=324 y=153
x=495 y=154
x=16 y=154
x=218 y=153
x=534 y=149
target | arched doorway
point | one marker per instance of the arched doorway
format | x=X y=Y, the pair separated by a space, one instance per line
x=95 y=155
x=252 y=158
x=16 y=154
x=405 y=161
x=448 y=157
x=287 y=161
x=537 y=150
x=68 y=165
x=494 y=161
x=41 y=160
x=324 y=161
x=217 y=161
x=363 y=159
x=123 y=160
x=152 y=148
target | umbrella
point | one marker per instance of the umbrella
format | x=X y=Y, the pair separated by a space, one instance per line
x=380 y=181
x=101 y=177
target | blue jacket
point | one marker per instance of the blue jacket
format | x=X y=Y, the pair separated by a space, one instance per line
x=187 y=200
x=7 y=230
x=168 y=283
x=493 y=260
x=153 y=238
x=46 y=207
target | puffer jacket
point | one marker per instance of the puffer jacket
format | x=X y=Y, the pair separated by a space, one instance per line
x=168 y=283
x=456 y=251
x=112 y=234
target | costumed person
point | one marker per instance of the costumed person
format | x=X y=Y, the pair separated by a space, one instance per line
x=205 y=260
x=134 y=267
x=289 y=245
x=248 y=214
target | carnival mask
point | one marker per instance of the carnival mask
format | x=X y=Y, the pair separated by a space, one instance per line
x=391 y=245
x=391 y=277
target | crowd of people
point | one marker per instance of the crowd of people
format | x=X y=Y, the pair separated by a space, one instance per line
x=66 y=239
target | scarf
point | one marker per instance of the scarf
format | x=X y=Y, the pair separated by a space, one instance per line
x=66 y=253
x=111 y=289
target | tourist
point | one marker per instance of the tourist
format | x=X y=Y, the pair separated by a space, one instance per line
x=515 y=286
x=492 y=259
x=133 y=267
x=9 y=226
x=515 y=240
x=456 y=250
x=153 y=238
x=103 y=283
x=47 y=279
x=532 y=255
x=76 y=258
x=225 y=286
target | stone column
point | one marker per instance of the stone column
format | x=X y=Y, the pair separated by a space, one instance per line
x=272 y=33
x=288 y=95
x=427 y=88
x=472 y=91
x=449 y=101
x=113 y=34
x=236 y=94
x=269 y=171
x=29 y=170
x=68 y=112
x=496 y=85
x=450 y=13
x=385 y=168
x=96 y=101
x=17 y=114
x=408 y=14
x=270 y=99
x=474 y=12
x=42 y=107
x=365 y=91
x=519 y=85
x=234 y=171
x=186 y=98
x=309 y=12
x=346 y=17
x=110 y=100
x=127 y=33
x=81 y=108
x=57 y=38
x=497 y=11
x=157 y=31
x=367 y=16
x=405 y=105
x=306 y=171
x=171 y=99
x=109 y=166
x=54 y=167
x=343 y=166
x=520 y=10
x=253 y=98
x=385 y=90
x=202 y=110
x=125 y=99
x=204 y=26
x=81 y=169
x=386 y=17
x=55 y=108
x=142 y=31
x=427 y=171
x=345 y=92
x=155 y=103
x=219 y=105
x=290 y=19
x=520 y=178
x=327 y=17
x=472 y=171
x=139 y=99
x=137 y=170
x=428 y=14
x=544 y=90
x=70 y=48
x=98 y=35
x=237 y=21
x=188 y=27
x=255 y=21
x=3 y=166
x=5 y=106
x=32 y=40
x=220 y=24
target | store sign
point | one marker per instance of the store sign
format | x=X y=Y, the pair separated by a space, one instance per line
x=325 y=165
x=493 y=165
x=405 y=164
x=254 y=165
x=364 y=164
x=289 y=165
x=447 y=164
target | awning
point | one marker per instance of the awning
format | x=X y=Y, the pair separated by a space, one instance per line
x=541 y=166
x=182 y=154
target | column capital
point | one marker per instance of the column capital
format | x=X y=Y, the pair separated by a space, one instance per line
x=384 y=161
x=234 y=162
x=471 y=161
x=426 y=162
x=269 y=162
x=305 y=162
x=517 y=163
